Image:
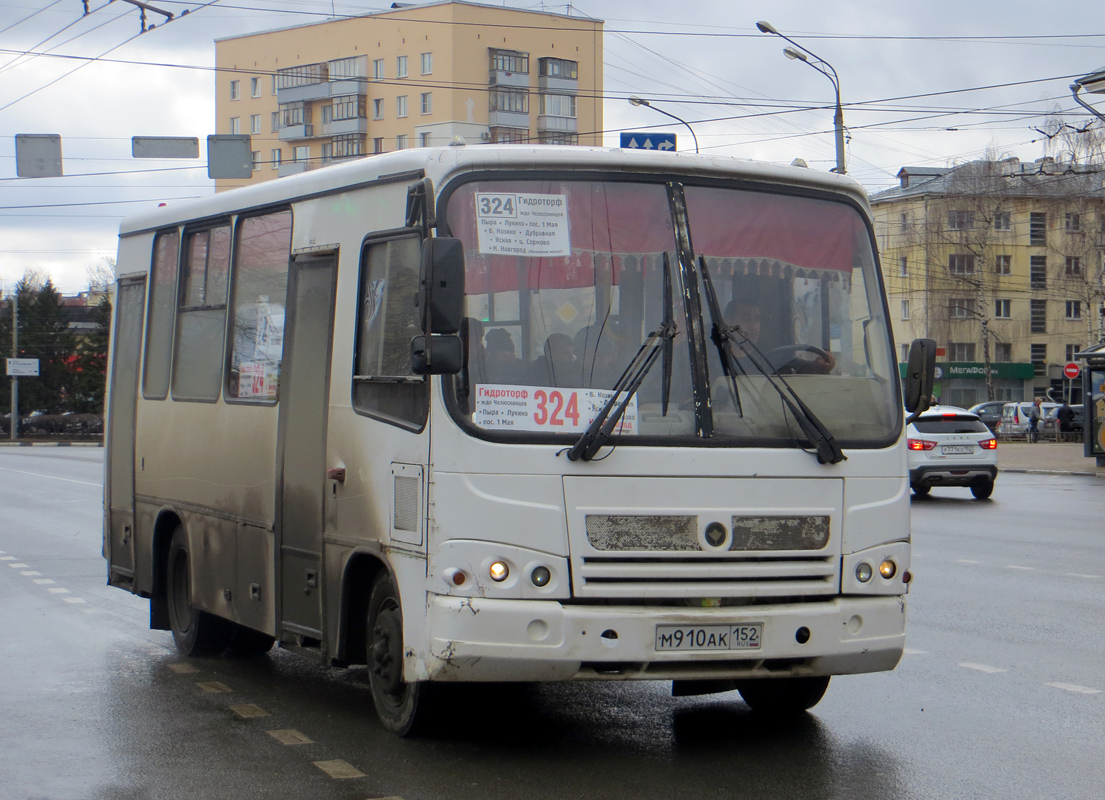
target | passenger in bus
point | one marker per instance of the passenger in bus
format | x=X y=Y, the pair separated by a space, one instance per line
x=501 y=364
x=746 y=315
x=558 y=366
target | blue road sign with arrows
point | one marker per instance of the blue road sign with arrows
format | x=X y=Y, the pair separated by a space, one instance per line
x=648 y=141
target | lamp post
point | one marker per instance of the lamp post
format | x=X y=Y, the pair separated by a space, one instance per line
x=637 y=101
x=800 y=53
x=1094 y=83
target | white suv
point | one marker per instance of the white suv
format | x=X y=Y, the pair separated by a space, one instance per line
x=950 y=446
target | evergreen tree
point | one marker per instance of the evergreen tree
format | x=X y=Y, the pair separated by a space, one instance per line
x=43 y=335
x=88 y=366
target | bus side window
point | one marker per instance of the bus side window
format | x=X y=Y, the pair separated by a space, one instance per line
x=162 y=313
x=387 y=320
x=260 y=288
x=201 y=316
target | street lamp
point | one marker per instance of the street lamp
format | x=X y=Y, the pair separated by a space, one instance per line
x=637 y=101
x=800 y=53
x=1094 y=83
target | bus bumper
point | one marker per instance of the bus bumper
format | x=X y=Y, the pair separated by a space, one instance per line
x=480 y=639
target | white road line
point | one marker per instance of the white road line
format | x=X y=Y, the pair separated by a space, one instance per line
x=911 y=651
x=30 y=573
x=1074 y=687
x=74 y=599
x=982 y=667
x=57 y=590
x=1015 y=566
x=289 y=736
x=52 y=477
x=1080 y=575
x=8 y=558
x=339 y=769
x=967 y=561
x=42 y=581
x=19 y=565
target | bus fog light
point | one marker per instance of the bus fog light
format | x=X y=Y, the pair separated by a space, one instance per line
x=540 y=576
x=457 y=577
x=887 y=569
x=498 y=571
x=863 y=572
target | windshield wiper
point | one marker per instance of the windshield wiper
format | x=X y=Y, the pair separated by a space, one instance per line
x=721 y=335
x=828 y=451
x=658 y=343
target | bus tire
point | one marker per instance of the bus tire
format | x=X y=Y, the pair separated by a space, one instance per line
x=401 y=706
x=196 y=633
x=783 y=696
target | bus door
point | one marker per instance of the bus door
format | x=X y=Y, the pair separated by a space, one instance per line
x=301 y=451
x=126 y=358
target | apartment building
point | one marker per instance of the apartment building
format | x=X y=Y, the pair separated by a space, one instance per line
x=1002 y=263
x=416 y=75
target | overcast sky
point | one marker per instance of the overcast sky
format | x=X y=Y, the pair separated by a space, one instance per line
x=924 y=84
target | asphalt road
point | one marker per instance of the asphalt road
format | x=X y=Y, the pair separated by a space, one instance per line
x=1000 y=695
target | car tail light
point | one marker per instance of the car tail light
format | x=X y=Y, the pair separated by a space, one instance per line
x=988 y=444
x=920 y=444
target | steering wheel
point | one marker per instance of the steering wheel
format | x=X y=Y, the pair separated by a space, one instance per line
x=785 y=356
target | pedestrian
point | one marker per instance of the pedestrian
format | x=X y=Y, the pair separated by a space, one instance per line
x=1064 y=417
x=1035 y=414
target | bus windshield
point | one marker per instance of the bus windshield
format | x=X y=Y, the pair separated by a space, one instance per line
x=565 y=280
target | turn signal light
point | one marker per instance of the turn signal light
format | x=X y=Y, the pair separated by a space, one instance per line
x=988 y=444
x=498 y=571
x=887 y=569
x=920 y=444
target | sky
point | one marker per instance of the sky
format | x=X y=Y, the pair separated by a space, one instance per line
x=922 y=84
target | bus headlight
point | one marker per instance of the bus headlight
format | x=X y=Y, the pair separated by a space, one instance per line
x=540 y=576
x=498 y=571
x=887 y=569
x=863 y=572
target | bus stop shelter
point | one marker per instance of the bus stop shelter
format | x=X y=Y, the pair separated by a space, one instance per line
x=1093 y=400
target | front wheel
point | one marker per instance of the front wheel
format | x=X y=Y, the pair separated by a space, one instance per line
x=783 y=696
x=196 y=633
x=982 y=490
x=401 y=706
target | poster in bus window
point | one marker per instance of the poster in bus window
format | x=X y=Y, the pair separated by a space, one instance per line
x=545 y=409
x=258 y=380
x=518 y=224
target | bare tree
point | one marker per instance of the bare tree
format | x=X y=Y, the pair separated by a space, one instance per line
x=101 y=275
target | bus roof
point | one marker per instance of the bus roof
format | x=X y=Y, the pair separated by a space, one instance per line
x=440 y=163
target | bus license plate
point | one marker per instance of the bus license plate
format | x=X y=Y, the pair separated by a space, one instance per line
x=709 y=637
x=957 y=449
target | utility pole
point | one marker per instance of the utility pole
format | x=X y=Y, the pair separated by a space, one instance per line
x=15 y=354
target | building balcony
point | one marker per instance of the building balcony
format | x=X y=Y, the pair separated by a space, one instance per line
x=292 y=168
x=338 y=127
x=557 y=85
x=514 y=79
x=323 y=90
x=508 y=119
x=546 y=122
x=291 y=133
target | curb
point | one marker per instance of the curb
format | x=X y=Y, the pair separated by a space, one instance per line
x=24 y=443
x=1024 y=471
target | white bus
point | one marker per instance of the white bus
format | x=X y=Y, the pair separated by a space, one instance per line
x=513 y=413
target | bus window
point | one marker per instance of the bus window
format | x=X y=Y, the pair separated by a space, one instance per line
x=201 y=318
x=260 y=290
x=383 y=384
x=159 y=329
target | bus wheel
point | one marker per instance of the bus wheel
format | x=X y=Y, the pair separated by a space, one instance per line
x=400 y=705
x=196 y=633
x=783 y=695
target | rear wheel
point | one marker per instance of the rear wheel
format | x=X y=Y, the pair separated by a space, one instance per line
x=982 y=490
x=401 y=706
x=920 y=488
x=783 y=695
x=196 y=633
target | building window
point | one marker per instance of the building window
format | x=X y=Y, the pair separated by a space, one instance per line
x=905 y=353
x=427 y=63
x=1003 y=352
x=903 y=266
x=558 y=105
x=961 y=308
x=1037 y=228
x=274 y=121
x=1039 y=358
x=235 y=125
x=961 y=264
x=276 y=157
x=1037 y=272
x=235 y=90
x=401 y=106
x=255 y=157
x=509 y=135
x=401 y=142
x=1074 y=309
x=960 y=220
x=427 y=102
x=254 y=87
x=254 y=123
x=514 y=100
x=1003 y=309
x=557 y=137
x=1072 y=223
x=1002 y=221
x=1071 y=350
x=378 y=109
x=424 y=139
x=378 y=69
x=509 y=61
x=350 y=106
x=961 y=351
x=401 y=67
x=297 y=114
x=327 y=114
x=904 y=223
x=302 y=153
x=1073 y=266
x=378 y=144
x=905 y=309
x=345 y=68
x=274 y=83
x=1003 y=265
x=347 y=146
x=1038 y=318
x=557 y=68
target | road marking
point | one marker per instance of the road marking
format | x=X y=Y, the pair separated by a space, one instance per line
x=183 y=669
x=1074 y=687
x=1014 y=566
x=57 y=590
x=19 y=566
x=74 y=599
x=289 y=736
x=43 y=581
x=30 y=572
x=249 y=711
x=53 y=477
x=339 y=769
x=982 y=667
x=8 y=558
x=213 y=687
x=911 y=651
x=966 y=561
x=1080 y=575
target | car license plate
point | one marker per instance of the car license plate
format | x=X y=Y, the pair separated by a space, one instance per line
x=957 y=449
x=709 y=637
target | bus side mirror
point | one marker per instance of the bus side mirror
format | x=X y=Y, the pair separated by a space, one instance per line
x=437 y=354
x=920 y=376
x=441 y=286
